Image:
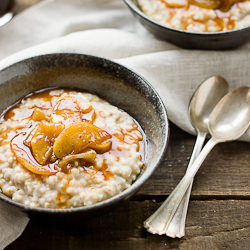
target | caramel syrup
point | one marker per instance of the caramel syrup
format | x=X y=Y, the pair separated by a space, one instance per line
x=17 y=138
x=223 y=20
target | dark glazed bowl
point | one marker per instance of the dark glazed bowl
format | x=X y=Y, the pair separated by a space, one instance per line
x=111 y=81
x=190 y=40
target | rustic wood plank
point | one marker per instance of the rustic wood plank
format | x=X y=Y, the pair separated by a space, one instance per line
x=225 y=173
x=211 y=225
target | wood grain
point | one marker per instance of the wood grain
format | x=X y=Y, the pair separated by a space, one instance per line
x=211 y=225
x=225 y=172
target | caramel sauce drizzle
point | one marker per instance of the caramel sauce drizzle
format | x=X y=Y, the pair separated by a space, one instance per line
x=223 y=20
x=19 y=138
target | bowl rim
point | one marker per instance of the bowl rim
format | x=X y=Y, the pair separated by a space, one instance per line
x=140 y=13
x=139 y=182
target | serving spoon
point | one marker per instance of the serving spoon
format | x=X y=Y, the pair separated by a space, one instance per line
x=228 y=121
x=206 y=96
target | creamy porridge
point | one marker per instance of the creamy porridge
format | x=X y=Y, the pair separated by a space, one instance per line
x=63 y=148
x=199 y=15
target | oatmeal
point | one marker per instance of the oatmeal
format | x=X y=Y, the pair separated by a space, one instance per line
x=63 y=148
x=199 y=15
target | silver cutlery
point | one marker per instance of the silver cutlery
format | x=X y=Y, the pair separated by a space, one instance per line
x=228 y=121
x=202 y=103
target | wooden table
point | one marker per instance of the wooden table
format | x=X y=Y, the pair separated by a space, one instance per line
x=218 y=216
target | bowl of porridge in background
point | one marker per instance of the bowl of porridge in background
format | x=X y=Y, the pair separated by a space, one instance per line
x=78 y=134
x=196 y=24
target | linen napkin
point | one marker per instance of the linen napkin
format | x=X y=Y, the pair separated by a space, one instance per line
x=107 y=28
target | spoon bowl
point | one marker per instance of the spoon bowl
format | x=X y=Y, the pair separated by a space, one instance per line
x=231 y=117
x=204 y=100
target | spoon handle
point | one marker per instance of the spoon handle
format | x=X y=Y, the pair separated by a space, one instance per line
x=159 y=221
x=176 y=227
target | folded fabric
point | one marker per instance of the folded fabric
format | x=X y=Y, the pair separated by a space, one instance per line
x=106 y=28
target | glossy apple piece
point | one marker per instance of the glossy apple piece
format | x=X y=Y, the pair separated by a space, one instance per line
x=78 y=137
x=42 y=141
x=25 y=158
x=226 y=4
x=38 y=115
x=207 y=4
x=89 y=156
x=102 y=147
x=176 y=3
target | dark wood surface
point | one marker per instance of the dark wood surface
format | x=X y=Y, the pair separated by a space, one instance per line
x=218 y=216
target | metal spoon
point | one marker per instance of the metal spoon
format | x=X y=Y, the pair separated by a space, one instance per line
x=228 y=121
x=207 y=95
x=5 y=13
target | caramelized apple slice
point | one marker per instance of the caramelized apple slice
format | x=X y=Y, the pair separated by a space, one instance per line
x=27 y=141
x=78 y=137
x=38 y=115
x=226 y=4
x=176 y=3
x=207 y=4
x=89 y=155
x=25 y=158
x=42 y=141
x=102 y=147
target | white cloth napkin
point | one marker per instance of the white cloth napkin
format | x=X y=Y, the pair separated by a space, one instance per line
x=107 y=28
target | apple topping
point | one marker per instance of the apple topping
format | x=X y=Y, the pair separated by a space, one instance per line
x=176 y=3
x=56 y=137
x=207 y=4
x=38 y=115
x=42 y=141
x=77 y=138
x=102 y=147
x=25 y=158
x=88 y=155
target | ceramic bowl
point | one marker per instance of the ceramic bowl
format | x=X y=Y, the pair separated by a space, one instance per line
x=111 y=81
x=190 y=40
